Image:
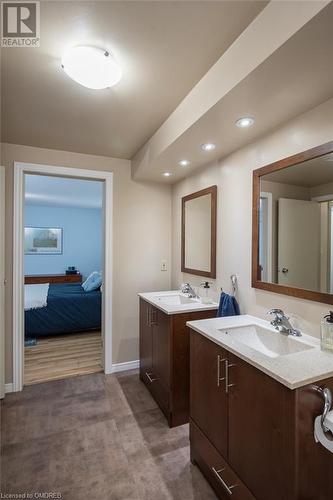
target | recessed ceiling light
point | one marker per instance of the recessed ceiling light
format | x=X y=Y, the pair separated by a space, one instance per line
x=91 y=67
x=167 y=174
x=244 y=122
x=209 y=146
x=184 y=163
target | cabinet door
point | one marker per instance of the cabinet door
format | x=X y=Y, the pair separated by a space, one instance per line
x=208 y=398
x=161 y=346
x=146 y=340
x=160 y=386
x=315 y=464
x=261 y=440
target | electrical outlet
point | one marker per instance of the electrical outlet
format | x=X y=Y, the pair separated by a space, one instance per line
x=164 y=266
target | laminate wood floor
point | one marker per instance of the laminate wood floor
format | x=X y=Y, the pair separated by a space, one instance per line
x=63 y=356
x=95 y=437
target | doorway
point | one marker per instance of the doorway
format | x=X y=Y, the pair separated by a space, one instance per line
x=21 y=173
x=63 y=239
x=2 y=282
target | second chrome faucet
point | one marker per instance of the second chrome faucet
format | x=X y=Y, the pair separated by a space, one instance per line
x=186 y=288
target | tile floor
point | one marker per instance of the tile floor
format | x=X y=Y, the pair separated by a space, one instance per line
x=95 y=437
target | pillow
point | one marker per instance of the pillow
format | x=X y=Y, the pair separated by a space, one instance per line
x=93 y=282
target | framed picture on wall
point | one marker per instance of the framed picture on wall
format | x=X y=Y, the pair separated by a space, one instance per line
x=42 y=240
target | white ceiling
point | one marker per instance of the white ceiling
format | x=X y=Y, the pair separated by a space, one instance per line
x=294 y=79
x=310 y=173
x=163 y=47
x=63 y=192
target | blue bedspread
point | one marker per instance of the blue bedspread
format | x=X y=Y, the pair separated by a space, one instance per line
x=69 y=309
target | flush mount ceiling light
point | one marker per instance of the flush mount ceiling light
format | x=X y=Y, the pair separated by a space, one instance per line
x=91 y=67
x=209 y=146
x=184 y=163
x=167 y=174
x=244 y=122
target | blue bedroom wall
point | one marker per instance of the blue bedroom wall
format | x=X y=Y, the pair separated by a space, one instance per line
x=82 y=239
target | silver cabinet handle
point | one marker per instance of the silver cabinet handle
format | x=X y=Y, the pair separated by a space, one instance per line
x=219 y=361
x=227 y=366
x=151 y=380
x=224 y=484
x=148 y=314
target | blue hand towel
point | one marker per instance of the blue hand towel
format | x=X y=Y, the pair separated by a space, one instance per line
x=228 y=306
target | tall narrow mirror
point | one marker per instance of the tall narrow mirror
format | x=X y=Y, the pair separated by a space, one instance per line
x=199 y=233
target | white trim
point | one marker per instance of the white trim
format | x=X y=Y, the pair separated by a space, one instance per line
x=2 y=282
x=122 y=367
x=324 y=197
x=269 y=198
x=9 y=388
x=20 y=169
x=330 y=247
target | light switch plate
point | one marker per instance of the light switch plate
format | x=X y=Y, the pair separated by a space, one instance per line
x=164 y=266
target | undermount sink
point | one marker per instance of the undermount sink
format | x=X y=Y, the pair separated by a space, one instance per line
x=176 y=299
x=270 y=343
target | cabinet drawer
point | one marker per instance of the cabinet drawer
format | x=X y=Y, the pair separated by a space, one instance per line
x=161 y=394
x=157 y=389
x=216 y=470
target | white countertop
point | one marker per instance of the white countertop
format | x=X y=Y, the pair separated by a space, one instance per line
x=293 y=370
x=156 y=299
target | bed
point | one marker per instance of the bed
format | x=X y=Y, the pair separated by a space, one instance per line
x=69 y=309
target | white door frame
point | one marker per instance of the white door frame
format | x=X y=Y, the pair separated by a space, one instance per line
x=2 y=282
x=20 y=169
x=269 y=198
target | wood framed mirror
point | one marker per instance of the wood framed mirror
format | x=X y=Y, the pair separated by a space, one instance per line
x=198 y=241
x=292 y=225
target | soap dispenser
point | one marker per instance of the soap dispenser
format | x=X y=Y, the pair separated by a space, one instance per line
x=205 y=299
x=326 y=336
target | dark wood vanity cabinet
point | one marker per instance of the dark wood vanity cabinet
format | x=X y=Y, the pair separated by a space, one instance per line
x=207 y=391
x=254 y=438
x=165 y=357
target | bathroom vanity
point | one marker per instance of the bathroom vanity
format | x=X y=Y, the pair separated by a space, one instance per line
x=164 y=349
x=253 y=402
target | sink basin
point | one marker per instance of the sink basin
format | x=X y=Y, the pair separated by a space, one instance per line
x=174 y=300
x=270 y=343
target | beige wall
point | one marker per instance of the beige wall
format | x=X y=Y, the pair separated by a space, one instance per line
x=233 y=175
x=322 y=190
x=141 y=240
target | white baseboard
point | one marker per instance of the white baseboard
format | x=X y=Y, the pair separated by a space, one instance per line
x=116 y=367
x=9 y=388
x=122 y=367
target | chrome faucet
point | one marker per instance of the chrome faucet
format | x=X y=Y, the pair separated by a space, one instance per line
x=282 y=324
x=188 y=290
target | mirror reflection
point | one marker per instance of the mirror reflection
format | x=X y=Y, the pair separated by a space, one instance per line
x=199 y=232
x=296 y=225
